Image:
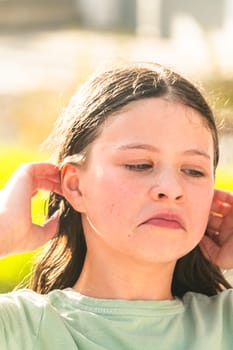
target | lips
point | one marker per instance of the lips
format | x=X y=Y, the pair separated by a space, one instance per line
x=165 y=220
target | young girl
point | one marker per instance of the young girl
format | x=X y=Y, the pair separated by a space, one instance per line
x=130 y=262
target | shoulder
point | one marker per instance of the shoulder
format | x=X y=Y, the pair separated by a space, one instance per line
x=209 y=320
x=28 y=320
x=20 y=315
x=223 y=296
x=22 y=304
x=24 y=300
x=26 y=304
x=220 y=303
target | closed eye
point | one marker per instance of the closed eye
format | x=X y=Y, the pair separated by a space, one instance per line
x=193 y=172
x=139 y=167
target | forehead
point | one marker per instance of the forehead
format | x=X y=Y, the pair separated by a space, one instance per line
x=166 y=125
x=159 y=114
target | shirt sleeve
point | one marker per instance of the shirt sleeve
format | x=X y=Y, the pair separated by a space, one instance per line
x=20 y=317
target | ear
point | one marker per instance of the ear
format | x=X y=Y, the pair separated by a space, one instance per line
x=70 y=182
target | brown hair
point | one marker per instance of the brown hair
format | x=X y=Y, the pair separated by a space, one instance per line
x=103 y=94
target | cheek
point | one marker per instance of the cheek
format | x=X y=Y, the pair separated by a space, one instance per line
x=115 y=196
x=201 y=209
x=108 y=194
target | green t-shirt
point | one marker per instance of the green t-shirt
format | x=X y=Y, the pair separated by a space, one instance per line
x=64 y=319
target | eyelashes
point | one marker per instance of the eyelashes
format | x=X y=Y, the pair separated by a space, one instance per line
x=143 y=167
x=193 y=172
x=139 y=167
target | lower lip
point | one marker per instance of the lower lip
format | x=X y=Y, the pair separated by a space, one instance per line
x=172 y=224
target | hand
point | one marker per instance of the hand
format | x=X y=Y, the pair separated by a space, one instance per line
x=217 y=245
x=17 y=232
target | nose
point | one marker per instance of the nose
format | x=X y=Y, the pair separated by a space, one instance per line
x=167 y=186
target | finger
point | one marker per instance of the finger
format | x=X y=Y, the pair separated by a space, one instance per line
x=209 y=248
x=215 y=221
x=49 y=185
x=34 y=176
x=42 y=234
x=219 y=230
x=43 y=169
x=219 y=255
x=223 y=196
x=219 y=237
x=220 y=208
x=50 y=227
x=44 y=176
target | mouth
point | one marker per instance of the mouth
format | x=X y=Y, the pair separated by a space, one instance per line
x=166 y=220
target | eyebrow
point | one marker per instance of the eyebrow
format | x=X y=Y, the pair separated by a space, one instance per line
x=191 y=152
x=197 y=152
x=138 y=146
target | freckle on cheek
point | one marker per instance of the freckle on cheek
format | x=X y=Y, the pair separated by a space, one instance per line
x=111 y=207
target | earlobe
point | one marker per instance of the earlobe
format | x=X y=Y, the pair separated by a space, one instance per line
x=70 y=185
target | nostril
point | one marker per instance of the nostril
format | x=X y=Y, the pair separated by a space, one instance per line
x=179 y=197
x=163 y=195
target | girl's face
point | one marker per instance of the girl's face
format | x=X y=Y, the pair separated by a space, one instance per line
x=147 y=188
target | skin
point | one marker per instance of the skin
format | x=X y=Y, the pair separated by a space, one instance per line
x=18 y=233
x=155 y=158
x=21 y=234
x=218 y=245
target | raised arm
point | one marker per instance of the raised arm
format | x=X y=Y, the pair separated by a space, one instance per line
x=17 y=232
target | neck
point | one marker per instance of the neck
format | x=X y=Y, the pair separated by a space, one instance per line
x=124 y=278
